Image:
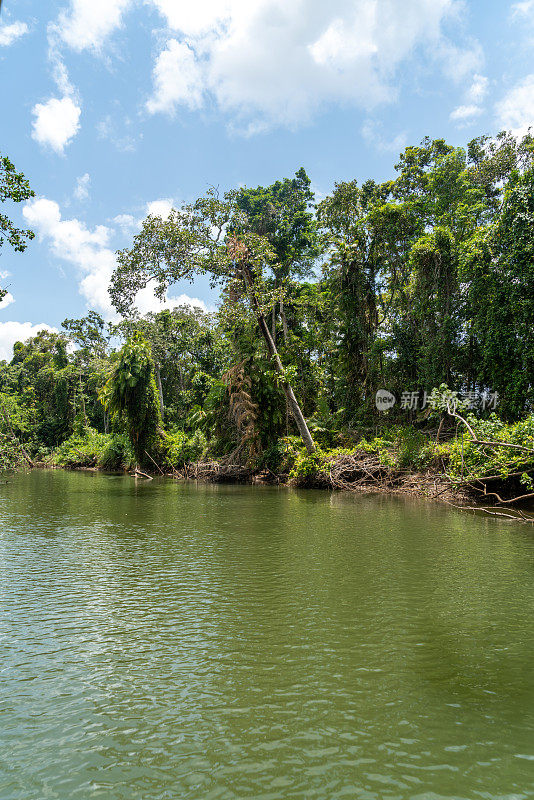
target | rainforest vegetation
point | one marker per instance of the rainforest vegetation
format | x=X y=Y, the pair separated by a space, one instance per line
x=421 y=286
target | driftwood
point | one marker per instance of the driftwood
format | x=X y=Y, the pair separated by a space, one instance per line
x=137 y=472
x=216 y=471
x=515 y=516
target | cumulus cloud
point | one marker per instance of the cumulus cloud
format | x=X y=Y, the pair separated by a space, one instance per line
x=81 y=191
x=56 y=122
x=11 y=332
x=279 y=61
x=177 y=79
x=86 y=24
x=515 y=111
x=159 y=208
x=72 y=241
x=89 y=251
x=10 y=33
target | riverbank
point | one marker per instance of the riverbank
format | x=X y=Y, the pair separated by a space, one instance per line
x=468 y=463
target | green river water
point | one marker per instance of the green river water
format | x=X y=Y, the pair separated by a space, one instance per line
x=169 y=641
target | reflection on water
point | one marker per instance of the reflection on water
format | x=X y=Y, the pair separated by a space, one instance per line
x=161 y=640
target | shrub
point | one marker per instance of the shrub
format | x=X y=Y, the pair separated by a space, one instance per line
x=117 y=453
x=80 y=449
x=182 y=449
x=280 y=457
x=308 y=467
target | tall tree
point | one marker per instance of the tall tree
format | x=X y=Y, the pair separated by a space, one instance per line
x=498 y=267
x=209 y=237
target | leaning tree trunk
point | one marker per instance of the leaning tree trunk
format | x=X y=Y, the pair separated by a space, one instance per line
x=273 y=352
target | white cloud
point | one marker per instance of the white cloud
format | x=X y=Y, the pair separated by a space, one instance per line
x=88 y=23
x=10 y=33
x=523 y=8
x=177 y=79
x=160 y=208
x=479 y=89
x=146 y=301
x=459 y=62
x=71 y=241
x=11 y=332
x=466 y=113
x=56 y=122
x=515 y=111
x=6 y=301
x=199 y=17
x=89 y=251
x=280 y=61
x=127 y=223
x=81 y=192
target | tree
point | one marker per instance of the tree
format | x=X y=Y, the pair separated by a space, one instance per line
x=88 y=334
x=131 y=395
x=282 y=214
x=498 y=266
x=187 y=352
x=368 y=238
x=211 y=236
x=92 y=346
x=13 y=187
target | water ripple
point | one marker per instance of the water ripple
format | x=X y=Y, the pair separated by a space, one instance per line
x=169 y=641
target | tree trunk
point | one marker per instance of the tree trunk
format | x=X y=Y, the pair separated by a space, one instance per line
x=160 y=391
x=284 y=321
x=273 y=352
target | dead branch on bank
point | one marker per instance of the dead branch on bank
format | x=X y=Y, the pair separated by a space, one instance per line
x=214 y=472
x=471 y=481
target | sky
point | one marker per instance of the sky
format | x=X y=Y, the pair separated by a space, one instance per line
x=118 y=108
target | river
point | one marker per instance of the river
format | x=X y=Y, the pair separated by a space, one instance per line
x=169 y=641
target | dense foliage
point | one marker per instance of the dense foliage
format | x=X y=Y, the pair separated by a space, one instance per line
x=423 y=280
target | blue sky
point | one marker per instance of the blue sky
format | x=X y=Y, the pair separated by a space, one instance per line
x=114 y=108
